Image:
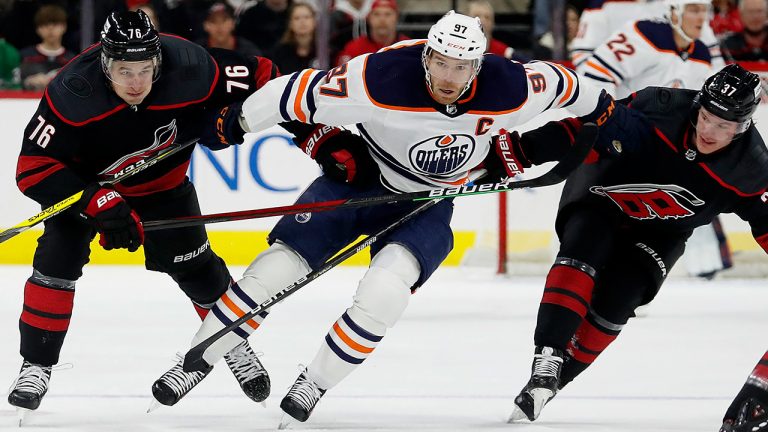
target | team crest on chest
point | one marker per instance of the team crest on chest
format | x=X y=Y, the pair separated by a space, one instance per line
x=442 y=155
x=164 y=137
x=651 y=201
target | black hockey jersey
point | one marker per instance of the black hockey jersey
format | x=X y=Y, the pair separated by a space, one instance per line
x=83 y=131
x=667 y=185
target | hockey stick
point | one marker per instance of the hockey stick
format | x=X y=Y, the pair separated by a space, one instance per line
x=584 y=141
x=66 y=203
x=193 y=359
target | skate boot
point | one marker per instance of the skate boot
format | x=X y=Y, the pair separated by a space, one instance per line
x=175 y=384
x=30 y=387
x=250 y=374
x=752 y=417
x=542 y=387
x=300 y=400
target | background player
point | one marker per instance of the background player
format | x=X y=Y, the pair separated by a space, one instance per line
x=749 y=410
x=622 y=226
x=421 y=137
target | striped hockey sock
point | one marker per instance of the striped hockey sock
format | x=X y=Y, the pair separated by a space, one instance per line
x=45 y=319
x=591 y=339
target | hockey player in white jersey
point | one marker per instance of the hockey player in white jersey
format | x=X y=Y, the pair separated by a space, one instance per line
x=601 y=18
x=421 y=135
x=665 y=53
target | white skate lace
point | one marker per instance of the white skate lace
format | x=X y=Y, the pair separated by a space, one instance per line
x=305 y=392
x=546 y=365
x=181 y=382
x=35 y=378
x=244 y=363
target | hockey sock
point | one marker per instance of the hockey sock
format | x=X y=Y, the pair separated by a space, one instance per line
x=566 y=299
x=273 y=270
x=591 y=339
x=44 y=321
x=381 y=298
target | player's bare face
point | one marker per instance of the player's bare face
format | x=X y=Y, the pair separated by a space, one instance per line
x=448 y=76
x=693 y=19
x=712 y=132
x=132 y=81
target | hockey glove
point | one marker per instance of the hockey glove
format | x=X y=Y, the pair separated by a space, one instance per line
x=342 y=155
x=505 y=158
x=118 y=225
x=622 y=129
x=222 y=127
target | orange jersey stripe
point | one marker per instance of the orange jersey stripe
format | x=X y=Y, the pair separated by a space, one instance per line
x=569 y=89
x=352 y=344
x=601 y=69
x=300 y=95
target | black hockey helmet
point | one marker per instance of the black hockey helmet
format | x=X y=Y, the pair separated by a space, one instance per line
x=129 y=36
x=731 y=94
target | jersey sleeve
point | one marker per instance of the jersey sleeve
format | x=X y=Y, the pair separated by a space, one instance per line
x=552 y=86
x=623 y=55
x=754 y=210
x=336 y=97
x=42 y=170
x=239 y=76
x=591 y=33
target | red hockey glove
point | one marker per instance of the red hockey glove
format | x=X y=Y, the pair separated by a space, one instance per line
x=222 y=127
x=342 y=155
x=505 y=158
x=118 y=225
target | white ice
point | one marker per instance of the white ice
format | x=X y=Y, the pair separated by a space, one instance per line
x=455 y=361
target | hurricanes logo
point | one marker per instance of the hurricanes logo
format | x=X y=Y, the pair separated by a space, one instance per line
x=651 y=201
x=164 y=137
x=442 y=155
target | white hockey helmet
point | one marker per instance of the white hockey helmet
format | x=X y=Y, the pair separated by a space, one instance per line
x=457 y=36
x=678 y=7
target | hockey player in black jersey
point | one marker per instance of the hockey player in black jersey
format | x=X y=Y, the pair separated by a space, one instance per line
x=121 y=100
x=623 y=222
x=749 y=410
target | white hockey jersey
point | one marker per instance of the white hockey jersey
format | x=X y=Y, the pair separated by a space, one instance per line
x=643 y=54
x=602 y=18
x=417 y=143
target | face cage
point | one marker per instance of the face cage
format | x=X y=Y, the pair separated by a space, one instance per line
x=425 y=55
x=106 y=66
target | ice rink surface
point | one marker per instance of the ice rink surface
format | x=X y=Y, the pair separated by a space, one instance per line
x=454 y=362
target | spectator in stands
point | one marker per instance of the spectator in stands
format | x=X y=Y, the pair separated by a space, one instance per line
x=296 y=50
x=39 y=63
x=382 y=31
x=219 y=25
x=751 y=43
x=9 y=66
x=484 y=10
x=542 y=50
x=348 y=21
x=725 y=19
x=263 y=23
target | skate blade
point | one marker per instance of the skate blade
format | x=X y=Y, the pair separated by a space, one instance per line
x=153 y=405
x=23 y=415
x=285 y=421
x=517 y=415
x=263 y=404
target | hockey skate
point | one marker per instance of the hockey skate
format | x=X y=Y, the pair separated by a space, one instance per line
x=175 y=384
x=250 y=373
x=28 y=390
x=300 y=400
x=542 y=387
x=752 y=417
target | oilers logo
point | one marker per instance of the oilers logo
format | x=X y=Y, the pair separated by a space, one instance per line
x=442 y=155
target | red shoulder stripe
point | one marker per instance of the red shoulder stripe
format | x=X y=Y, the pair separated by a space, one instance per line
x=263 y=72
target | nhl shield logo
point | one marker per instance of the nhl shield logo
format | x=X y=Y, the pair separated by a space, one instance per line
x=303 y=218
x=442 y=155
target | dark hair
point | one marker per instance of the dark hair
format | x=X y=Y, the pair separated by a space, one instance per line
x=50 y=14
x=289 y=37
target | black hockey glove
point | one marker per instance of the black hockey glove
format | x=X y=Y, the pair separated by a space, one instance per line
x=622 y=129
x=222 y=127
x=748 y=411
x=505 y=159
x=118 y=225
x=342 y=155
